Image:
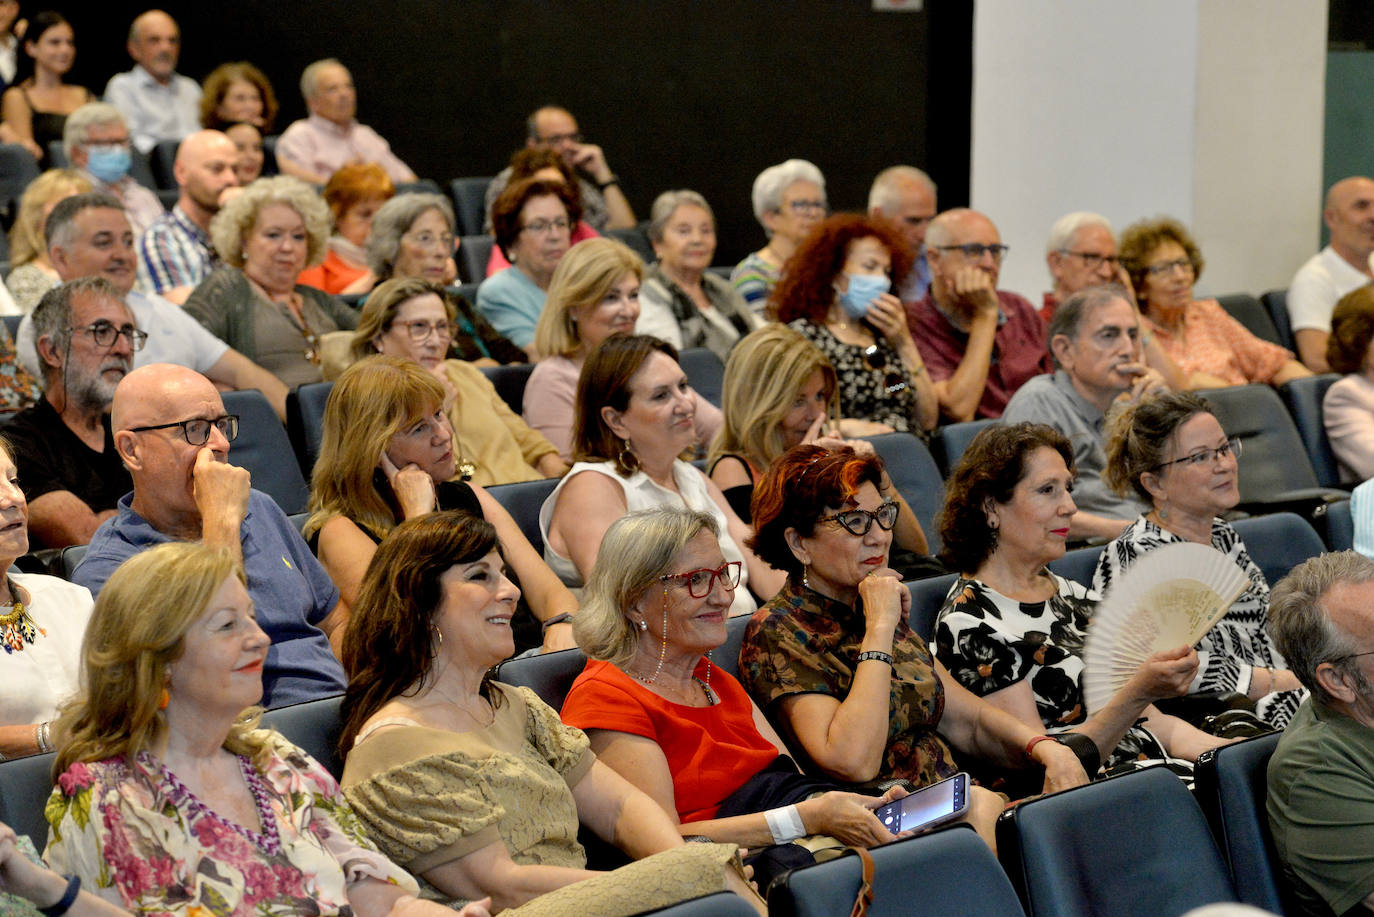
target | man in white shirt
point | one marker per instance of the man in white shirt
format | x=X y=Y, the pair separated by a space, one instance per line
x=1336 y=270
x=157 y=102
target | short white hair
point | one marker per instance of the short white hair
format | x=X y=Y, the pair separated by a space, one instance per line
x=311 y=75
x=1067 y=226
x=885 y=194
x=77 y=131
x=774 y=180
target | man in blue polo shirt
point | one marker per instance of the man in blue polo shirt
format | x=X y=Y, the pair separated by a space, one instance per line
x=171 y=431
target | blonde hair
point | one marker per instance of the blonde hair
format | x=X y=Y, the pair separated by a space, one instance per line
x=236 y=218
x=373 y=400
x=137 y=630
x=583 y=276
x=27 y=241
x=382 y=305
x=763 y=375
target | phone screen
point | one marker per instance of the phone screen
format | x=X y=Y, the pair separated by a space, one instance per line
x=926 y=805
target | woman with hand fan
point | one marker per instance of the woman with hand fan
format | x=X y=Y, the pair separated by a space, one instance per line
x=1012 y=632
x=1170 y=451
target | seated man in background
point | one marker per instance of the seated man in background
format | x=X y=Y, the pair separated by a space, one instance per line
x=172 y=433
x=96 y=143
x=1340 y=268
x=157 y=102
x=63 y=449
x=1081 y=253
x=906 y=196
x=314 y=148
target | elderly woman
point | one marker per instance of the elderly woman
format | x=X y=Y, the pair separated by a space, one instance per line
x=545 y=163
x=237 y=93
x=1348 y=407
x=680 y=302
x=476 y=785
x=656 y=608
x=1170 y=451
x=634 y=419
x=33 y=111
x=354 y=194
x=265 y=237
x=248 y=145
x=168 y=799
x=832 y=659
x=594 y=294
x=1211 y=348
x=532 y=221
x=31 y=274
x=789 y=200
x=836 y=292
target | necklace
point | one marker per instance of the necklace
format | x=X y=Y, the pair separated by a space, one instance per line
x=16 y=626
x=464 y=468
x=705 y=686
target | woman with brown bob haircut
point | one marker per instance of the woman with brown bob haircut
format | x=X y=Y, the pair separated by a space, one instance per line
x=237 y=93
x=1348 y=407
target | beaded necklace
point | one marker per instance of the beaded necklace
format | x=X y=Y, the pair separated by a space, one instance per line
x=17 y=626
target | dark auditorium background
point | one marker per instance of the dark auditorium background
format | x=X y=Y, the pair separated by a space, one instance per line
x=700 y=95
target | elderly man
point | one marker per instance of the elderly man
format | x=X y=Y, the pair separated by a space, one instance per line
x=175 y=253
x=68 y=468
x=158 y=103
x=172 y=433
x=906 y=196
x=89 y=235
x=1081 y=253
x=1336 y=270
x=1321 y=775
x=96 y=141
x=604 y=205
x=980 y=344
x=313 y=149
x=1095 y=340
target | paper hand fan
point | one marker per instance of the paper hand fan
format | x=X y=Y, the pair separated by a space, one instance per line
x=1171 y=596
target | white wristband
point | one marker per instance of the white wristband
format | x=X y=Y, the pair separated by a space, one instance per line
x=785 y=824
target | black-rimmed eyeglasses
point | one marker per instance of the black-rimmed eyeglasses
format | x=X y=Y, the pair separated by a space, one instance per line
x=859 y=521
x=105 y=334
x=1206 y=456
x=197 y=430
x=700 y=582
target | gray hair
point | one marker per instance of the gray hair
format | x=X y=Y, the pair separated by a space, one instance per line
x=885 y=195
x=1302 y=629
x=666 y=204
x=1067 y=226
x=77 y=131
x=1069 y=315
x=236 y=218
x=59 y=228
x=774 y=180
x=393 y=220
x=637 y=549
x=311 y=75
x=52 y=317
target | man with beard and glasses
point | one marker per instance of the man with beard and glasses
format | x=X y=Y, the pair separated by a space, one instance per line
x=63 y=448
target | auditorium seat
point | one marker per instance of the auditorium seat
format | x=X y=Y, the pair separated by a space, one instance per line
x=1247 y=310
x=70 y=557
x=1078 y=564
x=470 y=203
x=550 y=675
x=17 y=169
x=473 y=254
x=12 y=324
x=24 y=787
x=509 y=382
x=466 y=291
x=305 y=422
x=637 y=239
x=1303 y=398
x=721 y=904
x=163 y=160
x=1275 y=302
x=314 y=727
x=523 y=500
x=265 y=450
x=927 y=595
x=726 y=656
x=1340 y=526
x=915 y=475
x=949 y=442
x=1279 y=542
x=419 y=186
x=704 y=371
x=269 y=155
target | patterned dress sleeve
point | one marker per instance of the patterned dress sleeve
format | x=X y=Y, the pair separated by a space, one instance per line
x=76 y=839
x=775 y=662
x=564 y=747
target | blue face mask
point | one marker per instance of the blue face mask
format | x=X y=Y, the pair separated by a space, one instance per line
x=863 y=289
x=108 y=162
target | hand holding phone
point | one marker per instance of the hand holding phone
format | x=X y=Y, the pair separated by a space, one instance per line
x=928 y=807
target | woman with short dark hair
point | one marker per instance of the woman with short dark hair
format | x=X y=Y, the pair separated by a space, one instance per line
x=1348 y=407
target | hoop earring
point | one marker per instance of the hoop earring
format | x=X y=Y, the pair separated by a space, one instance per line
x=627 y=459
x=438 y=637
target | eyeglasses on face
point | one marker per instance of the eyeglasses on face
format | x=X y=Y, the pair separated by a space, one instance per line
x=1206 y=456
x=1092 y=260
x=544 y=227
x=427 y=239
x=700 y=582
x=419 y=331
x=811 y=206
x=1165 y=268
x=974 y=251
x=560 y=139
x=105 y=334
x=859 y=521
x=197 y=430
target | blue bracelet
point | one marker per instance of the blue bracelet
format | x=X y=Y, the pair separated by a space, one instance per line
x=65 y=902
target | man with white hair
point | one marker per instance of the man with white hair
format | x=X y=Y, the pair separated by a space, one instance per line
x=96 y=142
x=906 y=196
x=157 y=102
x=1081 y=253
x=314 y=148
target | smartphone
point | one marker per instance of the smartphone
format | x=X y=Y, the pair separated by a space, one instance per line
x=927 y=807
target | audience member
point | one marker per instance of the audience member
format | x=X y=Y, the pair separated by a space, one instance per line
x=157 y=102
x=1210 y=347
x=41 y=631
x=1095 y=340
x=173 y=435
x=633 y=421
x=237 y=93
x=11 y=27
x=96 y=141
x=1321 y=775
x=175 y=254
x=89 y=235
x=1348 y=407
x=594 y=294
x=789 y=199
x=315 y=148
x=546 y=163
x=835 y=291
x=31 y=274
x=980 y=343
x=533 y=225
x=247 y=140
x=603 y=204
x=35 y=110
x=70 y=472
x=906 y=196
x=1340 y=268
x=18 y=388
x=1081 y=253
x=265 y=237
x=412 y=236
x=354 y=194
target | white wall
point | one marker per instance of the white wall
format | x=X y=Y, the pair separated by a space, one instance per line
x=1206 y=110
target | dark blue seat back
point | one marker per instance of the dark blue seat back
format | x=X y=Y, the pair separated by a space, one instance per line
x=314 y=727
x=523 y=500
x=473 y=254
x=1247 y=310
x=1274 y=460
x=17 y=169
x=638 y=241
x=727 y=654
x=1279 y=542
x=25 y=784
x=927 y=595
x=305 y=422
x=951 y=440
x=1340 y=526
x=915 y=475
x=704 y=371
x=1303 y=398
x=265 y=450
x=1229 y=784
x=550 y=675
x=1275 y=302
x=509 y=382
x=1078 y=564
x=470 y=203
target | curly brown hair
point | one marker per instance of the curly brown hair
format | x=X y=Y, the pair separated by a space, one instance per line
x=1140 y=239
x=505 y=213
x=806 y=288
x=1352 y=327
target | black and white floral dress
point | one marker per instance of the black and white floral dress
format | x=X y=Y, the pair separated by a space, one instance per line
x=865 y=390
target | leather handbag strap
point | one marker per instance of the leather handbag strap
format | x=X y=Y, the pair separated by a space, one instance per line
x=864 y=898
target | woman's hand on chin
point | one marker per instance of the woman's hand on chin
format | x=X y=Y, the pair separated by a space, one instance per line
x=885 y=599
x=414 y=488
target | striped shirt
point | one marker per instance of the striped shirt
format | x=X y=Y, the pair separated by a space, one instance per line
x=174 y=252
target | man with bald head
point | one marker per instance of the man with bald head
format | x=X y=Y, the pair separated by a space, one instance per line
x=979 y=343
x=157 y=102
x=173 y=435
x=1336 y=270
x=906 y=196
x=175 y=253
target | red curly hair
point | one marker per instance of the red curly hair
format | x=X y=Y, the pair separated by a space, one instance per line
x=806 y=287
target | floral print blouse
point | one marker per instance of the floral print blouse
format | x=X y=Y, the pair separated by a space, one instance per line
x=877 y=388
x=138 y=838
